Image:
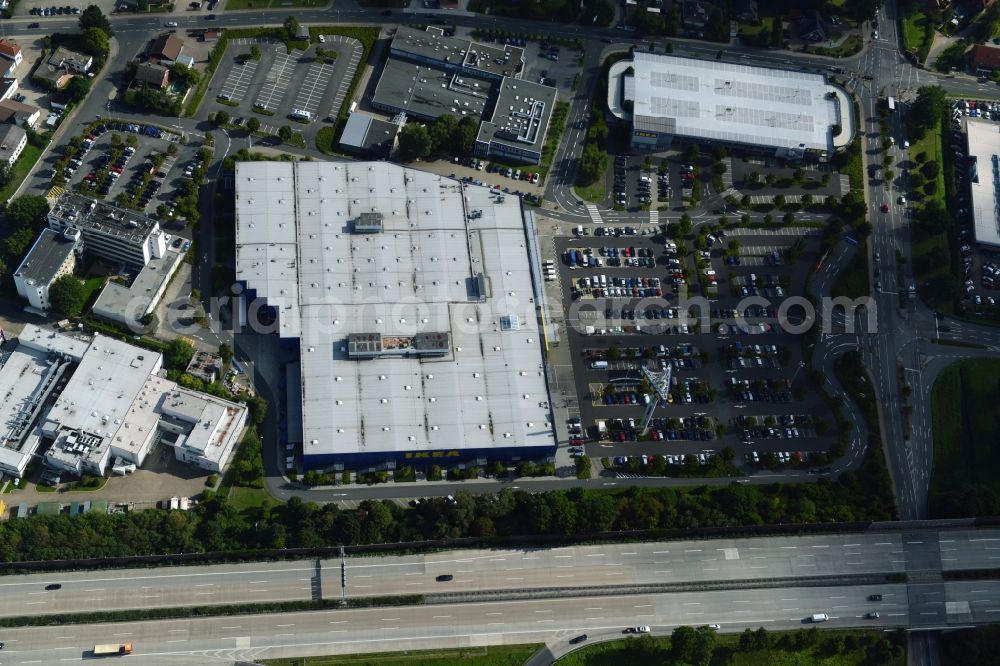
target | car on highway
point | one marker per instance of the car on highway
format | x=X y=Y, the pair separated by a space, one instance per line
x=874 y=597
x=578 y=639
x=885 y=208
x=871 y=616
x=642 y=629
x=32 y=26
x=53 y=586
x=444 y=578
x=171 y=24
x=717 y=627
x=902 y=200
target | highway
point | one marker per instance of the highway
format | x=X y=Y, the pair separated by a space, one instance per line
x=553 y=621
x=510 y=570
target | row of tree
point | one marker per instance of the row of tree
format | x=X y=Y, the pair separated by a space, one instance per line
x=445 y=137
x=217 y=525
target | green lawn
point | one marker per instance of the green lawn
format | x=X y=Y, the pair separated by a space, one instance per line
x=91 y=286
x=963 y=409
x=853 y=281
x=923 y=243
x=22 y=166
x=595 y=193
x=828 y=648
x=274 y=4
x=506 y=655
x=917 y=34
x=249 y=498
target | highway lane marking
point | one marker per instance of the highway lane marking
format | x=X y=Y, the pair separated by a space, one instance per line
x=96 y=589
x=508 y=578
x=883 y=543
x=821 y=546
x=789 y=599
x=494 y=624
x=661 y=552
x=693 y=551
x=33 y=603
x=266 y=590
x=200 y=593
x=239 y=627
x=691 y=603
x=852 y=545
x=946 y=541
x=413 y=573
x=494 y=613
x=587 y=609
x=384 y=619
x=282 y=626
x=644 y=606
x=543 y=621
x=176 y=631
x=276 y=635
x=630 y=553
x=185 y=575
x=663 y=572
x=258 y=582
x=561 y=556
x=788 y=547
x=596 y=555
x=183 y=640
x=204 y=584
x=544 y=611
x=979 y=591
x=441 y=617
x=564 y=576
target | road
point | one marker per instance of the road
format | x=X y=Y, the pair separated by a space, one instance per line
x=506 y=570
x=554 y=621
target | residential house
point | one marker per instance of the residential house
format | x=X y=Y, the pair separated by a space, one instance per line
x=13 y=139
x=811 y=28
x=8 y=88
x=152 y=74
x=18 y=113
x=745 y=11
x=165 y=49
x=79 y=63
x=10 y=57
x=984 y=59
x=695 y=13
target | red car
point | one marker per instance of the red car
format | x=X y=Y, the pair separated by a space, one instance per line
x=621 y=436
x=117 y=169
x=885 y=208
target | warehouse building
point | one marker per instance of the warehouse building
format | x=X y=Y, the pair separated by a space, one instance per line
x=788 y=114
x=984 y=178
x=410 y=300
x=99 y=400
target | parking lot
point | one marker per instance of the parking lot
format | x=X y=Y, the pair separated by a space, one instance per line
x=284 y=86
x=116 y=160
x=734 y=372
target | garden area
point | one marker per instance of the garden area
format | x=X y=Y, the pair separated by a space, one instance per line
x=965 y=423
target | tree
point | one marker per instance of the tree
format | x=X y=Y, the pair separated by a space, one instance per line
x=67 y=295
x=178 y=354
x=226 y=352
x=440 y=132
x=414 y=142
x=253 y=124
x=862 y=10
x=692 y=646
x=77 y=88
x=583 y=469
x=463 y=139
x=925 y=112
x=292 y=27
x=142 y=5
x=95 y=42
x=285 y=133
x=221 y=118
x=93 y=17
x=685 y=225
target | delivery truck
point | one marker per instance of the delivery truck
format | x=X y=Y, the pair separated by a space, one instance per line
x=109 y=649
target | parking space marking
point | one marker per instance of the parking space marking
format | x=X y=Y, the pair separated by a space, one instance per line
x=238 y=81
x=313 y=87
x=272 y=91
x=352 y=66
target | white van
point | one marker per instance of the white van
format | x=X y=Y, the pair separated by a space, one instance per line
x=598 y=365
x=819 y=617
x=300 y=114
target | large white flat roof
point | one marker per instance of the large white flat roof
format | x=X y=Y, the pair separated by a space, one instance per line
x=417 y=275
x=726 y=101
x=984 y=147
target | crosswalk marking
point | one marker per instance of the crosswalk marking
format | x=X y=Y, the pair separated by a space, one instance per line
x=654 y=216
x=595 y=215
